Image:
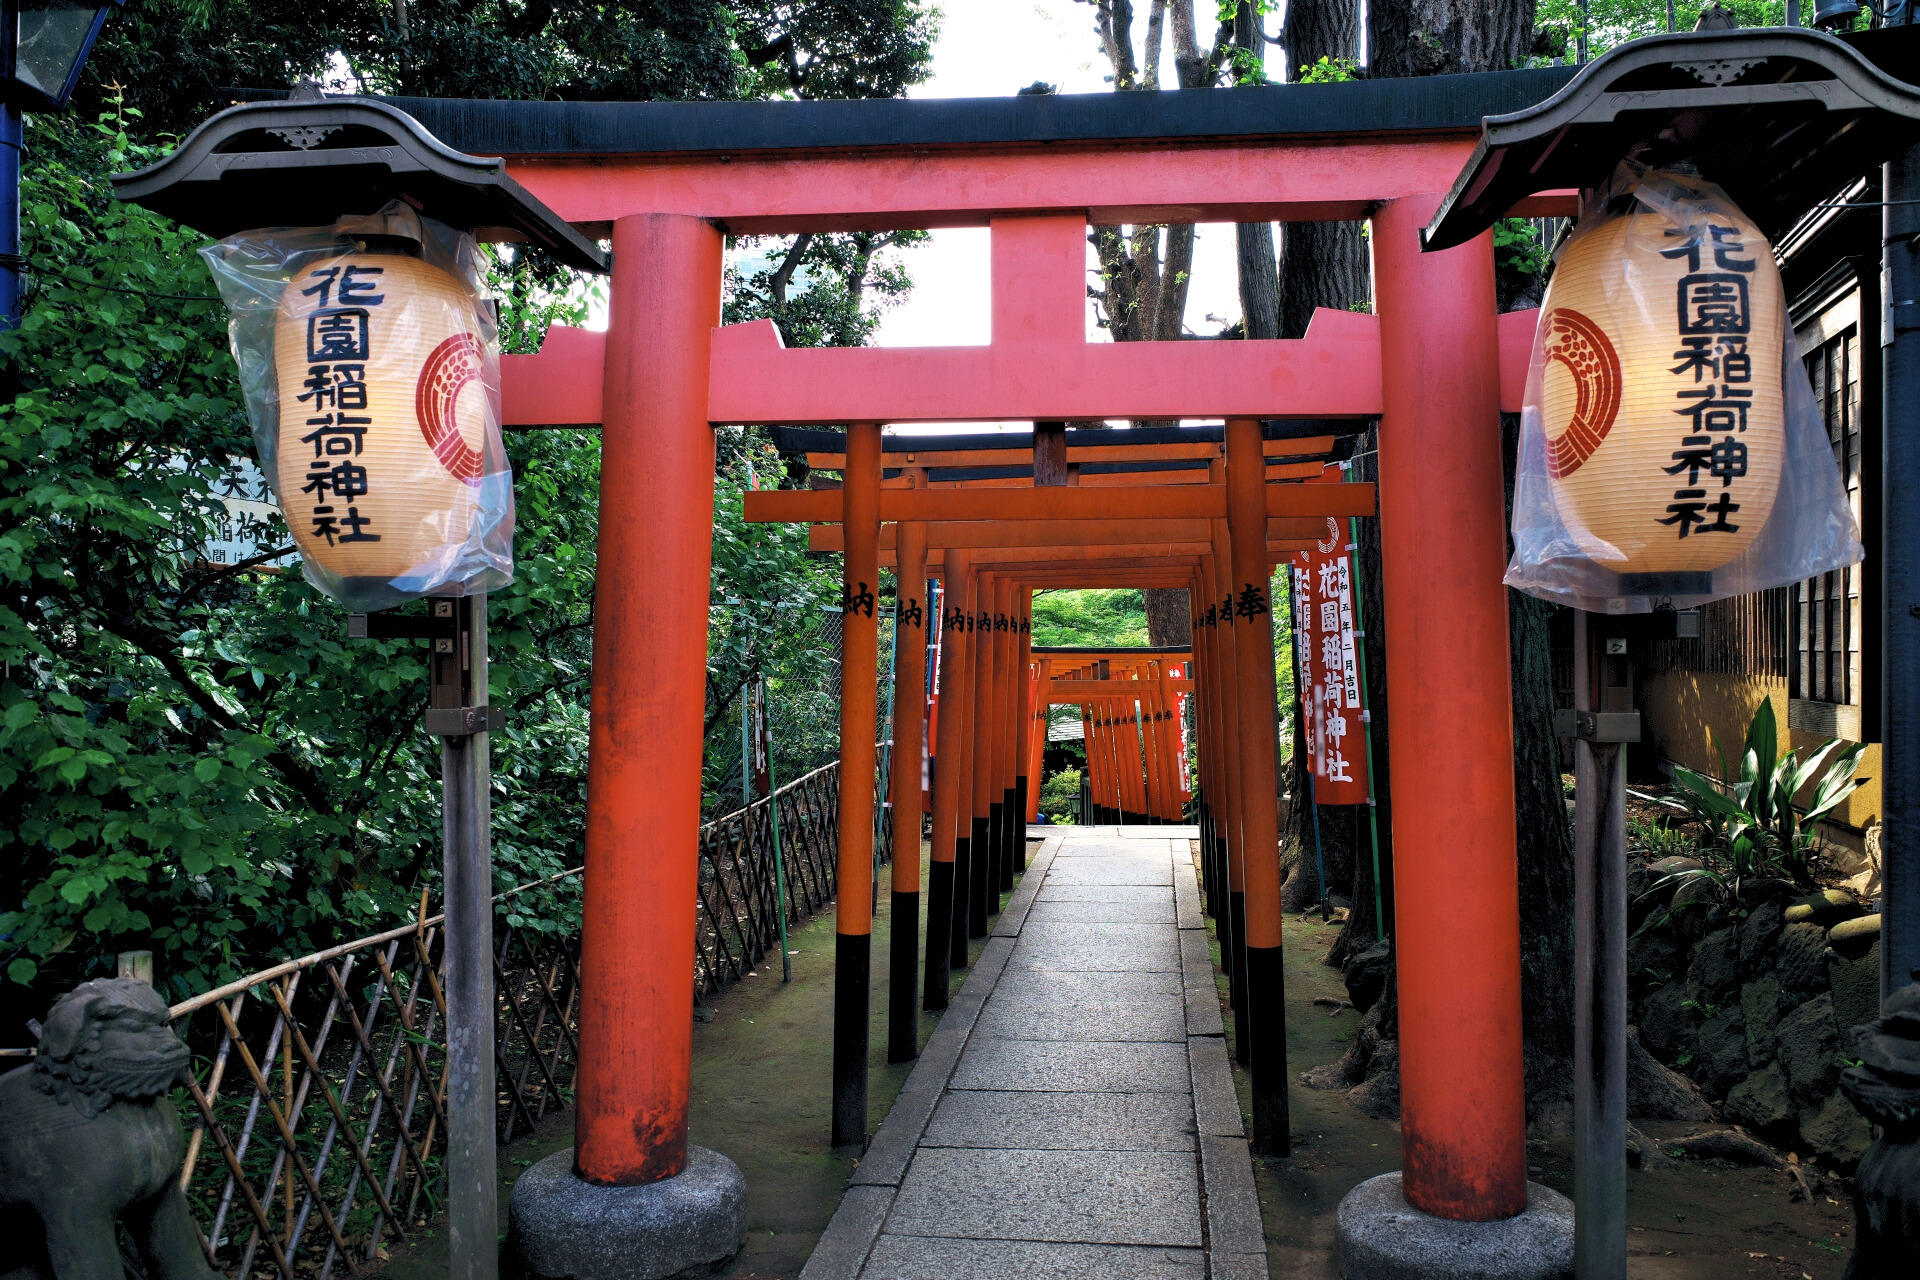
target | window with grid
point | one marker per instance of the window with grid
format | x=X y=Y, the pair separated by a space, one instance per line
x=1825 y=616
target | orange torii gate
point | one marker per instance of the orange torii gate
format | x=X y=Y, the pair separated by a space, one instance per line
x=1436 y=364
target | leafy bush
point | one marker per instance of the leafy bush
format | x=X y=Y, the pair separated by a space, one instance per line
x=1060 y=796
x=1753 y=820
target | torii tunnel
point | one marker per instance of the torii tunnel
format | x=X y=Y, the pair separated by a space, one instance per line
x=1436 y=365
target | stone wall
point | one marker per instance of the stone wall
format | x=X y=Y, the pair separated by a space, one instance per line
x=1752 y=999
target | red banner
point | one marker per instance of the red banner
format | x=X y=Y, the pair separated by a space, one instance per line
x=1327 y=658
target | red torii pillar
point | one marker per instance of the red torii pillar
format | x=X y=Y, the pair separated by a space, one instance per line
x=1457 y=944
x=648 y=700
x=909 y=757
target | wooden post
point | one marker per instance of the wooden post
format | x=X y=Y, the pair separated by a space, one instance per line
x=1456 y=897
x=1232 y=785
x=963 y=850
x=1026 y=780
x=1001 y=708
x=1250 y=599
x=648 y=702
x=859 y=676
x=909 y=759
x=980 y=734
x=945 y=901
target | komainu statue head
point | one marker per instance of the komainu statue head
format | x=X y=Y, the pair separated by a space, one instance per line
x=108 y=1040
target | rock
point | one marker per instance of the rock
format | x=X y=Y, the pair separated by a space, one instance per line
x=1837 y=1133
x=1851 y=937
x=1654 y=1092
x=1728 y=1144
x=1807 y=1046
x=1694 y=891
x=1856 y=987
x=1713 y=968
x=1653 y=960
x=1366 y=975
x=1379 y=1094
x=1668 y=1020
x=1760 y=1011
x=1661 y=868
x=1760 y=1102
x=1644 y=1153
x=1758 y=935
x=1802 y=960
x=1828 y=907
x=1720 y=1056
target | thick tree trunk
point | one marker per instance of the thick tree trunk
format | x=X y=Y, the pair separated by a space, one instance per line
x=1168 y=618
x=1427 y=37
x=1447 y=37
x=1322 y=264
x=1545 y=843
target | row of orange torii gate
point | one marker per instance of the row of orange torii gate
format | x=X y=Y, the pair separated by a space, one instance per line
x=995 y=693
x=1435 y=368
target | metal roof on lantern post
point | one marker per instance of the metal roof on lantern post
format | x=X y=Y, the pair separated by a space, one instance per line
x=1777 y=117
x=312 y=159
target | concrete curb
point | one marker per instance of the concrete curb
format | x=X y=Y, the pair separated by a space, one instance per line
x=1202 y=996
x=1233 y=1206
x=1186 y=892
x=1216 y=1108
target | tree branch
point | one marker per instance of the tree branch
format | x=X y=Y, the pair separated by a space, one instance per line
x=777 y=283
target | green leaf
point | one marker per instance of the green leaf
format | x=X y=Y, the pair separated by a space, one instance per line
x=206 y=769
x=22 y=971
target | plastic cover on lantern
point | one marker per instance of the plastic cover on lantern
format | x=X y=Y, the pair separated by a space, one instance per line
x=1609 y=541
x=440 y=491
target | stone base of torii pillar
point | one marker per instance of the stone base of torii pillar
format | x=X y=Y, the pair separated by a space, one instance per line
x=1379 y=1236
x=692 y=1224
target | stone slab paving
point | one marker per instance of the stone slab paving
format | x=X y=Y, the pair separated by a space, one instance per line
x=1073 y=1116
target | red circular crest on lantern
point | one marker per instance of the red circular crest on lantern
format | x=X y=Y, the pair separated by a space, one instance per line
x=1582 y=346
x=447 y=372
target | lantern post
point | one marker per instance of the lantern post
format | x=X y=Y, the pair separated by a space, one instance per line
x=43 y=46
x=1900 y=596
x=458 y=713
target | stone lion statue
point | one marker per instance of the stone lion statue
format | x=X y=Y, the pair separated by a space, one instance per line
x=1884 y=1087
x=88 y=1137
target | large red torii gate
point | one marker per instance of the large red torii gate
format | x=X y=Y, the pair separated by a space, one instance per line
x=1430 y=364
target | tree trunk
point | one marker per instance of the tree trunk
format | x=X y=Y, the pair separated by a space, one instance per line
x=1322 y=264
x=1169 y=621
x=1426 y=37
x=1447 y=37
x=1545 y=842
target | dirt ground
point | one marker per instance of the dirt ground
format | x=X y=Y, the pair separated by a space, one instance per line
x=1703 y=1220
x=761 y=1091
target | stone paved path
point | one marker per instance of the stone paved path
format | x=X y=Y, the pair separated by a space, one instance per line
x=1073 y=1116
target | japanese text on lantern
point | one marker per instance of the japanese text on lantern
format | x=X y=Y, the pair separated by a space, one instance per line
x=1325 y=647
x=1714 y=318
x=339 y=348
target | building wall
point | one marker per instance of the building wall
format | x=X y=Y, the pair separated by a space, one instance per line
x=1684 y=712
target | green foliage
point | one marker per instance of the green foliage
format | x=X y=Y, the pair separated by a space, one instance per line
x=1328 y=71
x=846 y=282
x=1753 y=821
x=192 y=756
x=1517 y=247
x=1060 y=796
x=178 y=61
x=1612 y=22
x=1660 y=841
x=1115 y=618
